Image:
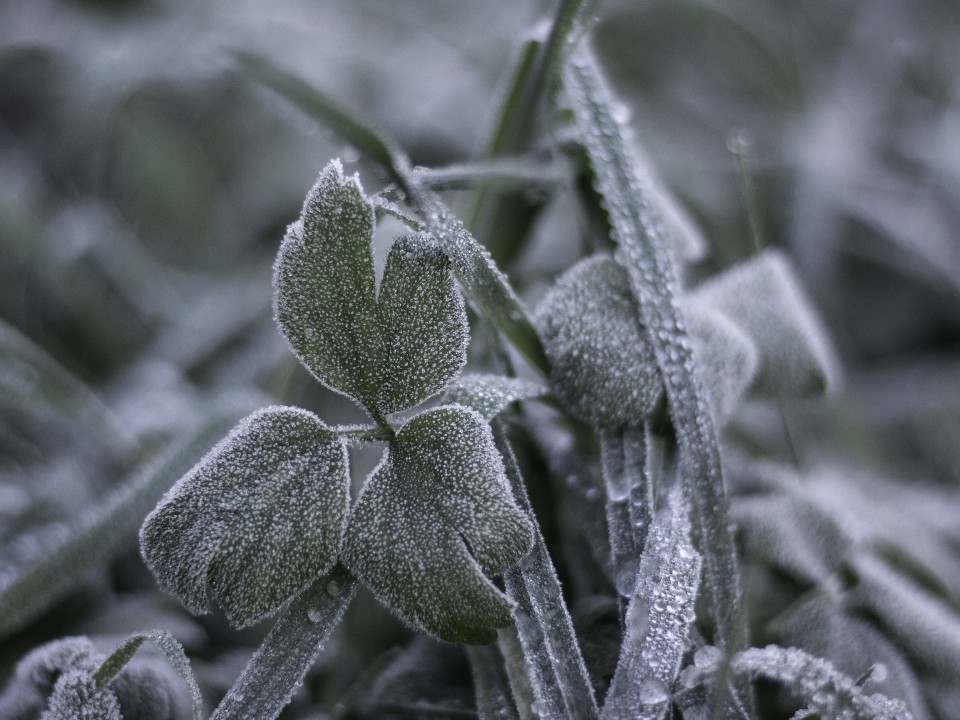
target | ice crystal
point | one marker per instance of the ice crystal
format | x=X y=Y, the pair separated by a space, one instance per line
x=433 y=518
x=602 y=365
x=256 y=519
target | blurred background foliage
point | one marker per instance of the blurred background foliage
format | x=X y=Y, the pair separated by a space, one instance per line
x=145 y=184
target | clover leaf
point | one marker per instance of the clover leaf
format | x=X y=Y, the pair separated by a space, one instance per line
x=256 y=519
x=433 y=519
x=388 y=353
x=602 y=365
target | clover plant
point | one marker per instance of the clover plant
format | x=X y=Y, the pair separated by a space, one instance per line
x=622 y=380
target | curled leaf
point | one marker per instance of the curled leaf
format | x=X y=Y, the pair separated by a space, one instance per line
x=603 y=367
x=256 y=519
x=434 y=518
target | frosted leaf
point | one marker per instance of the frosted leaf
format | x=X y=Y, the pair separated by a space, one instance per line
x=820 y=686
x=728 y=359
x=255 y=520
x=433 y=518
x=489 y=395
x=927 y=628
x=793 y=534
x=856 y=648
x=37 y=672
x=77 y=697
x=602 y=365
x=658 y=620
x=423 y=322
x=765 y=299
x=325 y=288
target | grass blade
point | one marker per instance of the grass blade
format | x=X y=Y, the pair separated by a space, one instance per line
x=291 y=647
x=653 y=280
x=550 y=647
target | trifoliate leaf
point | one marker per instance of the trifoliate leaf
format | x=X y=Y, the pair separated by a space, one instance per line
x=256 y=519
x=424 y=324
x=489 y=395
x=728 y=359
x=765 y=299
x=325 y=298
x=433 y=519
x=603 y=367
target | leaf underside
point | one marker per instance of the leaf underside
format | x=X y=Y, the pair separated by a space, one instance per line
x=256 y=520
x=434 y=518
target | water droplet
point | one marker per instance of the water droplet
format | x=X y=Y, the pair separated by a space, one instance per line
x=314 y=615
x=333 y=588
x=652 y=691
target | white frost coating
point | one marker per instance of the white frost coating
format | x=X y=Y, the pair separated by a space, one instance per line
x=658 y=620
x=432 y=520
x=727 y=357
x=764 y=297
x=76 y=697
x=603 y=367
x=256 y=519
x=490 y=394
x=817 y=682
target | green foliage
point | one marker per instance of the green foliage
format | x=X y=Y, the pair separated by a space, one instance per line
x=694 y=476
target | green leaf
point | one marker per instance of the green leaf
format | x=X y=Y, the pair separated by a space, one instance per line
x=432 y=520
x=76 y=696
x=603 y=367
x=325 y=298
x=764 y=297
x=256 y=520
x=490 y=394
x=423 y=322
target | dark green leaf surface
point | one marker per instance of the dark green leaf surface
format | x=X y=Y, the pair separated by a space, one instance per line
x=603 y=367
x=424 y=324
x=325 y=296
x=433 y=519
x=256 y=520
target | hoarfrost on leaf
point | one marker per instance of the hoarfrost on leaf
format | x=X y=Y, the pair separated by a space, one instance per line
x=433 y=519
x=423 y=323
x=388 y=353
x=255 y=520
x=77 y=697
x=602 y=365
x=765 y=299
x=490 y=394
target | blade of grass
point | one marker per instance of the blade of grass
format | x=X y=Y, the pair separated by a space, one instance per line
x=554 y=660
x=500 y=221
x=291 y=647
x=107 y=530
x=653 y=280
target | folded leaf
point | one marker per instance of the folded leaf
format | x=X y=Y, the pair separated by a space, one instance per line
x=256 y=520
x=424 y=324
x=603 y=367
x=766 y=300
x=433 y=519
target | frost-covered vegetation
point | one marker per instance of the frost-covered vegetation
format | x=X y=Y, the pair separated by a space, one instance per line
x=608 y=369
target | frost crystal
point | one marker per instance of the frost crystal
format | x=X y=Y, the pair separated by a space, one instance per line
x=256 y=519
x=603 y=367
x=489 y=395
x=433 y=518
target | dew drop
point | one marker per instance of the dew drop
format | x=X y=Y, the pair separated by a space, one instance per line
x=333 y=588
x=314 y=615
